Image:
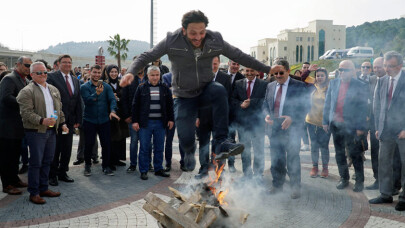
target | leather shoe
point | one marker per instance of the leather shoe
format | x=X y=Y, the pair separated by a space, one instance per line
x=37 y=199
x=78 y=162
x=53 y=181
x=49 y=193
x=66 y=178
x=20 y=184
x=380 y=200
x=374 y=186
x=358 y=187
x=342 y=184
x=395 y=192
x=183 y=168
x=274 y=190
x=400 y=206
x=167 y=169
x=144 y=176
x=11 y=190
x=162 y=173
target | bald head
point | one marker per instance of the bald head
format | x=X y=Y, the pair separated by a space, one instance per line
x=347 y=70
x=378 y=67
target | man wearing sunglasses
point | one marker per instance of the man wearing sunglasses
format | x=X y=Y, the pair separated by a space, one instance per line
x=285 y=105
x=11 y=126
x=366 y=69
x=345 y=115
x=39 y=103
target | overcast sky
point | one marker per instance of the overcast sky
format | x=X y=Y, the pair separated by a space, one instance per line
x=34 y=25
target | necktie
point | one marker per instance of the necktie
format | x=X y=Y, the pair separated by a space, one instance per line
x=68 y=86
x=390 y=92
x=278 y=101
x=248 y=89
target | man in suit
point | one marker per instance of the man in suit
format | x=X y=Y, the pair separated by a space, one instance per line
x=11 y=126
x=345 y=115
x=39 y=102
x=390 y=126
x=233 y=71
x=69 y=88
x=285 y=107
x=247 y=100
x=204 y=120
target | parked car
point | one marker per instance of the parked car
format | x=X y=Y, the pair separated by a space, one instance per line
x=325 y=54
x=360 y=52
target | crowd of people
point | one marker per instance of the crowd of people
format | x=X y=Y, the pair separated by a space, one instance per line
x=42 y=108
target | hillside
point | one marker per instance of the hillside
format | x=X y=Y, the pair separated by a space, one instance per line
x=383 y=36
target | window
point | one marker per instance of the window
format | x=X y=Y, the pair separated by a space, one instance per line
x=313 y=38
x=285 y=48
x=309 y=39
x=321 y=43
x=308 y=53
x=297 y=52
x=300 y=38
x=312 y=53
x=297 y=39
x=300 y=53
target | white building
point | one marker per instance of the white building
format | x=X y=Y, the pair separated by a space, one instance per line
x=301 y=44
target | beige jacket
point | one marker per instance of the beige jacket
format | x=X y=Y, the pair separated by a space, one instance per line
x=33 y=108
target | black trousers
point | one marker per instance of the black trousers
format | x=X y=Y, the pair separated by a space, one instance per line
x=63 y=151
x=345 y=138
x=9 y=159
x=104 y=133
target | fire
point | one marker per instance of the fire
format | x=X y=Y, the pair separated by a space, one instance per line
x=215 y=180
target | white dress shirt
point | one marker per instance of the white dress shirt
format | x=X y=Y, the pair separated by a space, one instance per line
x=70 y=81
x=283 y=94
x=396 y=79
x=48 y=100
x=251 y=85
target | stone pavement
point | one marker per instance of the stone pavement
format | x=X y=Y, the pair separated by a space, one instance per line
x=105 y=201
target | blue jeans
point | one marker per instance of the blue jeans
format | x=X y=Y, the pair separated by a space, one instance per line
x=24 y=152
x=133 y=146
x=185 y=112
x=169 y=147
x=42 y=149
x=319 y=142
x=156 y=129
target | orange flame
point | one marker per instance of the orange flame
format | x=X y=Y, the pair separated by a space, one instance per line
x=221 y=197
x=214 y=180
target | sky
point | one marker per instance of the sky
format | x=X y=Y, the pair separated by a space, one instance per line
x=34 y=25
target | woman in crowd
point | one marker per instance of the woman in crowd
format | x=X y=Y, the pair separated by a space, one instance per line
x=319 y=138
x=119 y=129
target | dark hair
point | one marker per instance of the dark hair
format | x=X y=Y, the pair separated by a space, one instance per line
x=42 y=61
x=217 y=56
x=321 y=69
x=283 y=63
x=194 y=16
x=95 y=66
x=56 y=62
x=306 y=63
x=64 y=56
x=297 y=71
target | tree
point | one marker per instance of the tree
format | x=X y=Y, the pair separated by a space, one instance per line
x=118 y=48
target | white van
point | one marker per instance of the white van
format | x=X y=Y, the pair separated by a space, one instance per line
x=360 y=52
x=335 y=54
x=325 y=54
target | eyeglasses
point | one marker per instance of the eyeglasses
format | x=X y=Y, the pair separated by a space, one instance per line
x=27 y=65
x=40 y=73
x=344 y=70
x=366 y=67
x=279 y=73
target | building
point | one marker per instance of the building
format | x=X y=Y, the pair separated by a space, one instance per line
x=301 y=44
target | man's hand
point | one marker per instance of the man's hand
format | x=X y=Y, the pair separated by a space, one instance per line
x=401 y=135
x=128 y=120
x=376 y=135
x=49 y=121
x=65 y=129
x=76 y=125
x=99 y=89
x=268 y=120
x=170 y=124
x=112 y=114
x=197 y=122
x=135 y=126
x=126 y=79
x=325 y=128
x=359 y=132
x=313 y=67
x=286 y=123
x=245 y=103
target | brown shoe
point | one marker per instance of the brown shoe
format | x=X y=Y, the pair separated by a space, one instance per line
x=314 y=172
x=37 y=199
x=11 y=190
x=49 y=193
x=325 y=173
x=20 y=184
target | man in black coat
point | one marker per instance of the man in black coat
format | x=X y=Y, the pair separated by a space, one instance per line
x=69 y=88
x=11 y=126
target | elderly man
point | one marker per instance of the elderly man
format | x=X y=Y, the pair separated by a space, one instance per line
x=191 y=50
x=11 y=126
x=390 y=126
x=365 y=71
x=152 y=113
x=41 y=112
x=345 y=115
x=285 y=108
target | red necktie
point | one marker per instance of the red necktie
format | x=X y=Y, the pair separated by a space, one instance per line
x=278 y=101
x=390 y=92
x=248 y=89
x=68 y=86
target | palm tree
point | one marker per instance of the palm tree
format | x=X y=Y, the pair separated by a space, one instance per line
x=118 y=48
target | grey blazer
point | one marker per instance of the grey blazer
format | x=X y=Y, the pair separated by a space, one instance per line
x=390 y=121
